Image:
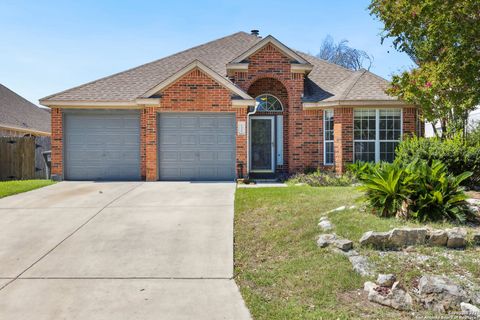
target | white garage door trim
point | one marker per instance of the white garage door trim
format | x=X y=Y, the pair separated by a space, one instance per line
x=206 y=152
x=110 y=160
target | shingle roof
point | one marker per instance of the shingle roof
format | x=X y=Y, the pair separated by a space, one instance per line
x=325 y=81
x=18 y=112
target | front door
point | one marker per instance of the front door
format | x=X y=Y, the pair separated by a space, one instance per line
x=262 y=144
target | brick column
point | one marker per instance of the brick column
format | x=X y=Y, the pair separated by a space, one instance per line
x=150 y=121
x=343 y=138
x=57 y=143
x=241 y=144
x=409 y=121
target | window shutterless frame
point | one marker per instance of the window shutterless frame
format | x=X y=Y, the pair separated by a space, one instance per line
x=377 y=139
x=326 y=141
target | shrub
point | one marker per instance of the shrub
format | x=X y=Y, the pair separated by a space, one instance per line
x=418 y=191
x=437 y=194
x=386 y=187
x=457 y=155
x=323 y=179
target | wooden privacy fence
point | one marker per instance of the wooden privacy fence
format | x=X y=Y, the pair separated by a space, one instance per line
x=21 y=157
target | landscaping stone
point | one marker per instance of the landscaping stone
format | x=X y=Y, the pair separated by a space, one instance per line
x=476 y=239
x=457 y=238
x=441 y=294
x=400 y=238
x=343 y=244
x=324 y=240
x=396 y=297
x=369 y=285
x=377 y=240
x=386 y=280
x=470 y=309
x=359 y=263
x=325 y=225
x=437 y=238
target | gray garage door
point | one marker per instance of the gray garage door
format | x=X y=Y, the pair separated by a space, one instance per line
x=196 y=146
x=102 y=145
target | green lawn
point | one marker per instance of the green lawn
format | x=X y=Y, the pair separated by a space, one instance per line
x=8 y=188
x=281 y=272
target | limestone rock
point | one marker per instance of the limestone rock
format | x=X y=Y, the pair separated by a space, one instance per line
x=343 y=244
x=396 y=297
x=369 y=285
x=377 y=240
x=457 y=238
x=441 y=294
x=437 y=238
x=386 y=280
x=405 y=237
x=360 y=264
x=470 y=309
x=324 y=240
x=325 y=225
x=476 y=238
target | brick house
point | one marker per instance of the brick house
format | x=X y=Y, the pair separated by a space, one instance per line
x=238 y=106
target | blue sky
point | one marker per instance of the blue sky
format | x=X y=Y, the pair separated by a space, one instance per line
x=49 y=46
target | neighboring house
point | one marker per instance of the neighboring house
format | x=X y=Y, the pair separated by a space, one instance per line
x=473 y=121
x=191 y=116
x=19 y=117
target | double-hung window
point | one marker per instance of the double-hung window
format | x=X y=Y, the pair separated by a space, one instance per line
x=376 y=134
x=328 y=122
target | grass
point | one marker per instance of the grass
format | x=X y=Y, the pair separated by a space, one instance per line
x=8 y=188
x=282 y=274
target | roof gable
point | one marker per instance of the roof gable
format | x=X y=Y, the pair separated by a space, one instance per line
x=296 y=58
x=208 y=71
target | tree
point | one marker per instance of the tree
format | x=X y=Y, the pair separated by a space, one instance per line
x=443 y=39
x=344 y=55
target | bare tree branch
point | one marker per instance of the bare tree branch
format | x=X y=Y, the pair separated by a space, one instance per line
x=344 y=55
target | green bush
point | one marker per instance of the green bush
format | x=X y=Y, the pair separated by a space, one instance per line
x=436 y=194
x=386 y=187
x=323 y=179
x=417 y=191
x=456 y=154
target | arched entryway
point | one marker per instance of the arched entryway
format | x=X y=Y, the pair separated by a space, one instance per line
x=267 y=128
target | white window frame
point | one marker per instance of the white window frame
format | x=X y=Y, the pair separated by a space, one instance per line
x=377 y=131
x=270 y=95
x=325 y=141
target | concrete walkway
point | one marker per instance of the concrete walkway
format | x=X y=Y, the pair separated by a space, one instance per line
x=119 y=250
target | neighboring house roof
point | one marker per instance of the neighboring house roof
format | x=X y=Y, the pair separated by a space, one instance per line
x=20 y=114
x=325 y=82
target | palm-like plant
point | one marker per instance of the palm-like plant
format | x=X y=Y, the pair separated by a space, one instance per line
x=387 y=188
x=437 y=194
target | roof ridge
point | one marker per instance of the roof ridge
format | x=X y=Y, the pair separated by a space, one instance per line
x=16 y=94
x=142 y=65
x=325 y=61
x=355 y=79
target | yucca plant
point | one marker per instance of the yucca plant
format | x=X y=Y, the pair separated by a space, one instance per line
x=387 y=188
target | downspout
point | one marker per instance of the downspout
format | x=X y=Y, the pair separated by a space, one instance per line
x=255 y=109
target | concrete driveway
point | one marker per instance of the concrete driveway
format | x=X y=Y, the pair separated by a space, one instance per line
x=119 y=250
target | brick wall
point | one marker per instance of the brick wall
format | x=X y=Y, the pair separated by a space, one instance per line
x=270 y=65
x=57 y=142
x=343 y=138
x=409 y=121
x=194 y=92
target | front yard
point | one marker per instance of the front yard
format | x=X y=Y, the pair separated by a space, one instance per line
x=282 y=273
x=8 y=188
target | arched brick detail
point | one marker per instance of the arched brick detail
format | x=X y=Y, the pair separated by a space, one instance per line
x=271 y=85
